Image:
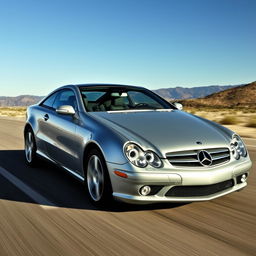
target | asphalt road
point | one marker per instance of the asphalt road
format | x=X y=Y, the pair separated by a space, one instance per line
x=44 y=211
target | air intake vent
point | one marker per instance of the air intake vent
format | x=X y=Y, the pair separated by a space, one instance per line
x=191 y=158
x=188 y=191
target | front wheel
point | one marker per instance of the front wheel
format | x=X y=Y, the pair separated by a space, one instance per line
x=97 y=179
x=30 y=148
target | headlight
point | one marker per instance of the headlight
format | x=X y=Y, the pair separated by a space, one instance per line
x=153 y=159
x=141 y=158
x=238 y=148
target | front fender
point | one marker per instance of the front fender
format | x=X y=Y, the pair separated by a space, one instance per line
x=107 y=139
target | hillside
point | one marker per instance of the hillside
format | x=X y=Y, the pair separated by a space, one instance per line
x=167 y=93
x=22 y=100
x=190 y=93
x=241 y=96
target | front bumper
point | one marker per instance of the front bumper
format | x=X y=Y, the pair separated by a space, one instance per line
x=128 y=189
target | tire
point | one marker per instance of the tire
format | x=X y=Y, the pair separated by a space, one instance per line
x=30 y=148
x=97 y=179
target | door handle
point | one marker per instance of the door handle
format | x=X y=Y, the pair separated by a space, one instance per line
x=46 y=117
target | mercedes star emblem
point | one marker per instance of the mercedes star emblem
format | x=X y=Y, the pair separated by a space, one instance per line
x=204 y=158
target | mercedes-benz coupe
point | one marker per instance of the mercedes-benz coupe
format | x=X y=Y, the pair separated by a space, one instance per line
x=127 y=143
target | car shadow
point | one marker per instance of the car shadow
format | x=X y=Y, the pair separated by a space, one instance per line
x=56 y=185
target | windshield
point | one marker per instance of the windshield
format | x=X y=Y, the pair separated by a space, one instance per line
x=116 y=99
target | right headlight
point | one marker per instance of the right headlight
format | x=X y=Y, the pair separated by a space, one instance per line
x=238 y=148
x=140 y=158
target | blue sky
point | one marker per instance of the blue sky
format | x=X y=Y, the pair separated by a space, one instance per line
x=152 y=43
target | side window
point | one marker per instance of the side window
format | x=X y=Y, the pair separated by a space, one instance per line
x=93 y=95
x=65 y=97
x=138 y=97
x=49 y=101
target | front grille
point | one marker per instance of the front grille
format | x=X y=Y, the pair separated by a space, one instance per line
x=188 y=191
x=189 y=158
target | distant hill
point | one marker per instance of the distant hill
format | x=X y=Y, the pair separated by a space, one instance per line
x=22 y=100
x=241 y=96
x=168 y=93
x=190 y=93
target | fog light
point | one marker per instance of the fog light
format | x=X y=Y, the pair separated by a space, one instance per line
x=243 y=178
x=145 y=190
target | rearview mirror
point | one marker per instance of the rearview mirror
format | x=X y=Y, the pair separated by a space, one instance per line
x=119 y=94
x=65 y=110
x=178 y=105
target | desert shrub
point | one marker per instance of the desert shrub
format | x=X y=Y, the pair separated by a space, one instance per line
x=203 y=115
x=249 y=110
x=192 y=112
x=229 y=120
x=252 y=122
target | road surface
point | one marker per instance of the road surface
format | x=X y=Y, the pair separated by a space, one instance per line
x=44 y=211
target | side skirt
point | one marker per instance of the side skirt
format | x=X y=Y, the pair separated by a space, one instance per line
x=74 y=174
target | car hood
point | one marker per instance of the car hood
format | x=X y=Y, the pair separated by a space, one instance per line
x=166 y=131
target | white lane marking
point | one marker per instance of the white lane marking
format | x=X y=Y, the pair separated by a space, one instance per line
x=26 y=189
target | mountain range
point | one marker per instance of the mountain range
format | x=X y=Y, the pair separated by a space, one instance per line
x=190 y=93
x=240 y=96
x=22 y=100
x=205 y=95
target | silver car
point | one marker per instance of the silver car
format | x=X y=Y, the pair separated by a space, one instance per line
x=127 y=143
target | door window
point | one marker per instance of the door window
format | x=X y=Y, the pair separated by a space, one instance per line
x=65 y=97
x=50 y=100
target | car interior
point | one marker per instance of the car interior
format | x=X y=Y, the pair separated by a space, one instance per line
x=117 y=100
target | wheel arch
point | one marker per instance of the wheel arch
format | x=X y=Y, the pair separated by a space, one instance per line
x=27 y=126
x=90 y=146
x=106 y=196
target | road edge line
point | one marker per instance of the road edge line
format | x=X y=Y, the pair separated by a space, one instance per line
x=31 y=193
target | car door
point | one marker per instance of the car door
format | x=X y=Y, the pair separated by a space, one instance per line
x=42 y=114
x=61 y=141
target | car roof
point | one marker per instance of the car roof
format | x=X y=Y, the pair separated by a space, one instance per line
x=105 y=85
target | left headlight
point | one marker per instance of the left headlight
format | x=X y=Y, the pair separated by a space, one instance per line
x=238 y=148
x=141 y=158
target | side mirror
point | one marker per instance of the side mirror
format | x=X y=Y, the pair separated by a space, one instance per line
x=65 y=110
x=178 y=105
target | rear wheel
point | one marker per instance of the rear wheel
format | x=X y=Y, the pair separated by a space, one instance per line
x=30 y=148
x=97 y=179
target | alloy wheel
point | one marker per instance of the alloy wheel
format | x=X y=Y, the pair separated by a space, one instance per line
x=29 y=146
x=95 y=178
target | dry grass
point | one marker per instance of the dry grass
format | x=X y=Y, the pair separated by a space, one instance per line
x=13 y=111
x=252 y=122
x=240 y=120
x=229 y=120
